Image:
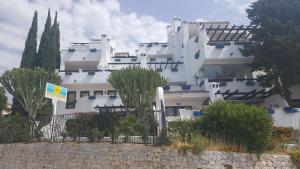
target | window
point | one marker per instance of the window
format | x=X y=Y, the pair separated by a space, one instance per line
x=117 y=60
x=169 y=59
x=93 y=50
x=133 y=60
x=152 y=59
x=84 y=93
x=71 y=100
x=98 y=93
x=197 y=55
x=71 y=50
x=174 y=110
x=112 y=93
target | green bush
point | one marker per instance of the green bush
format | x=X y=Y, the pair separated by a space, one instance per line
x=184 y=130
x=85 y=125
x=295 y=156
x=13 y=128
x=198 y=144
x=131 y=126
x=184 y=148
x=244 y=125
x=95 y=134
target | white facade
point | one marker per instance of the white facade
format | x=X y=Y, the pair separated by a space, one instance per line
x=196 y=56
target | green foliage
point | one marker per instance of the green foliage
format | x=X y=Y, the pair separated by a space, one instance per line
x=55 y=35
x=95 y=134
x=183 y=149
x=198 y=144
x=49 y=48
x=276 y=44
x=136 y=86
x=184 y=130
x=3 y=100
x=30 y=95
x=295 y=156
x=131 y=126
x=85 y=125
x=29 y=56
x=17 y=108
x=13 y=128
x=45 y=52
x=240 y=124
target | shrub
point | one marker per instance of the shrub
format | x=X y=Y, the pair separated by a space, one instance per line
x=95 y=134
x=283 y=134
x=295 y=156
x=84 y=125
x=198 y=144
x=131 y=126
x=183 y=130
x=184 y=148
x=13 y=128
x=240 y=124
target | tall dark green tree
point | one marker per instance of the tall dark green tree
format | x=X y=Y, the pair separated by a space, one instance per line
x=56 y=42
x=276 y=44
x=45 y=53
x=29 y=56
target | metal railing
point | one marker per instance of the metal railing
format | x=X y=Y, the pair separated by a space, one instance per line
x=113 y=127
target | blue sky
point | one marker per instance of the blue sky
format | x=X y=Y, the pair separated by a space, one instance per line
x=127 y=22
x=211 y=10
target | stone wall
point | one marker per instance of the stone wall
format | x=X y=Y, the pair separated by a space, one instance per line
x=121 y=156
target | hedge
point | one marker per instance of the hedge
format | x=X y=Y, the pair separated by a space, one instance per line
x=244 y=125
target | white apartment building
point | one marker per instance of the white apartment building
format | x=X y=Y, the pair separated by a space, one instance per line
x=200 y=60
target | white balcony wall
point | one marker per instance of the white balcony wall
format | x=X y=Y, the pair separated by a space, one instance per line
x=81 y=55
x=240 y=85
x=173 y=77
x=284 y=119
x=86 y=105
x=83 y=77
x=154 y=49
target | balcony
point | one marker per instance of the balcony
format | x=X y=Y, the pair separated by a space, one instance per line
x=81 y=54
x=84 y=76
x=87 y=104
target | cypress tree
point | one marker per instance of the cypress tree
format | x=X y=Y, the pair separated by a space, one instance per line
x=46 y=48
x=29 y=58
x=29 y=55
x=56 y=42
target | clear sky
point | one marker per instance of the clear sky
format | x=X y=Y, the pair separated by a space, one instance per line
x=127 y=22
x=211 y=10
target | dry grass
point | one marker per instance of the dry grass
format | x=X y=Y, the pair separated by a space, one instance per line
x=218 y=144
x=211 y=144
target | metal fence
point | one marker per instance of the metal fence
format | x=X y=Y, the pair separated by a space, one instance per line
x=113 y=127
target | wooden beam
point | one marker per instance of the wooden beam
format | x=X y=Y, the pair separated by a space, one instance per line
x=231 y=94
x=232 y=28
x=246 y=95
x=215 y=32
x=237 y=31
x=221 y=33
x=207 y=31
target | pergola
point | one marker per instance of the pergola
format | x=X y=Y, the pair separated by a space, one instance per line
x=237 y=95
x=172 y=64
x=237 y=34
